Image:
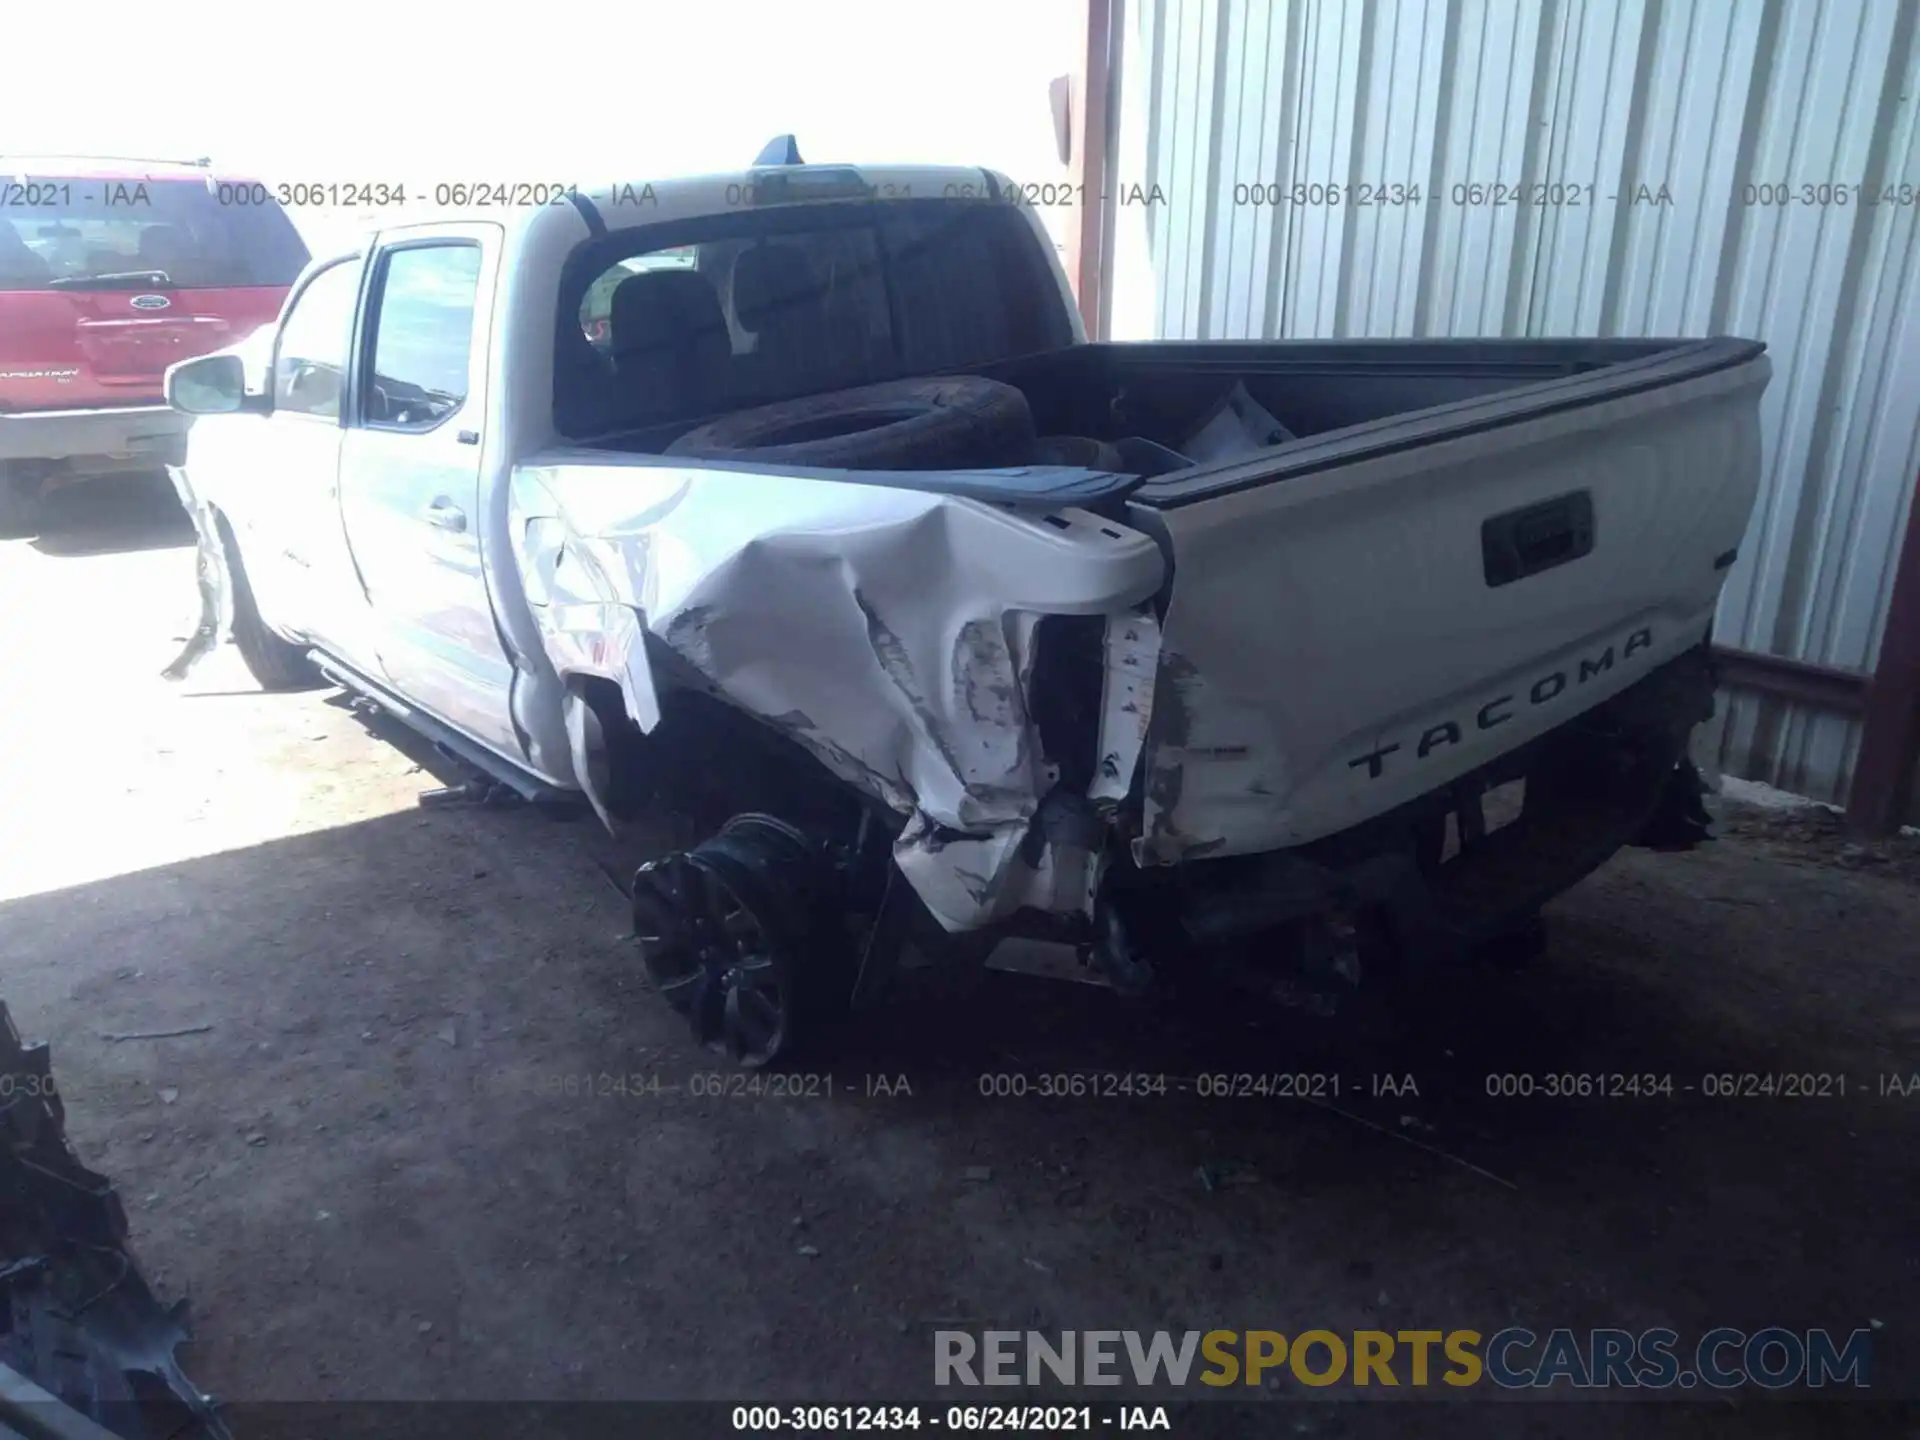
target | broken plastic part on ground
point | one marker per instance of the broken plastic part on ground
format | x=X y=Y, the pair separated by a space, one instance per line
x=83 y=1324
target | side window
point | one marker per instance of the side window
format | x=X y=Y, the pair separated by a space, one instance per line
x=310 y=368
x=423 y=331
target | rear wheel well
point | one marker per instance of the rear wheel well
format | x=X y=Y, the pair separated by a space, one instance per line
x=618 y=747
x=707 y=757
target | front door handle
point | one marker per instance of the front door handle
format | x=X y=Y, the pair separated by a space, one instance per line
x=443 y=514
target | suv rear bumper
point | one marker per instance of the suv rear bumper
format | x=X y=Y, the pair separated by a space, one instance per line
x=86 y=441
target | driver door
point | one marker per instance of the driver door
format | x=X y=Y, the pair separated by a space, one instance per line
x=288 y=527
x=411 y=475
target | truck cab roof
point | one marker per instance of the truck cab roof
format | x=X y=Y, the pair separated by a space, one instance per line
x=530 y=212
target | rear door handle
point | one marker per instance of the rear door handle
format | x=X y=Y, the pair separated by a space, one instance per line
x=443 y=514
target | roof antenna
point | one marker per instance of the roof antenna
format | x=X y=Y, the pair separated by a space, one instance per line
x=781 y=150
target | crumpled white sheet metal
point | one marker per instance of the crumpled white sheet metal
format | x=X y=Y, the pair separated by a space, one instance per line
x=210 y=575
x=889 y=631
x=1132 y=665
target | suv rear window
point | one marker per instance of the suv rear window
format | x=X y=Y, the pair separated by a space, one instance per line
x=71 y=233
x=678 y=322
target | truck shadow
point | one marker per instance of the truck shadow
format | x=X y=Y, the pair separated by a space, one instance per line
x=431 y=1026
x=113 y=515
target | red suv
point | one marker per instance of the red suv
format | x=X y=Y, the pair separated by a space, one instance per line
x=111 y=270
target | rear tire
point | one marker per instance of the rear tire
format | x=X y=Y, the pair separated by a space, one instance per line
x=951 y=422
x=21 y=506
x=277 y=664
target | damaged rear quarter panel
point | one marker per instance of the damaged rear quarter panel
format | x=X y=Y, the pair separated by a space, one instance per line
x=889 y=631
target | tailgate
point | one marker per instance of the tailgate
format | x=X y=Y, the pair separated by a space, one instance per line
x=1359 y=618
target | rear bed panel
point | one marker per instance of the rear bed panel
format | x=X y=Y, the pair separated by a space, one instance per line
x=1333 y=645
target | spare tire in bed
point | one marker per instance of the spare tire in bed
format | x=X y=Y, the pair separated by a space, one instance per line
x=953 y=422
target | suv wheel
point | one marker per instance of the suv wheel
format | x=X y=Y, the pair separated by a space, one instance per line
x=20 y=504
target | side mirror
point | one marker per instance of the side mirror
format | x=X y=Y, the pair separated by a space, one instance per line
x=212 y=385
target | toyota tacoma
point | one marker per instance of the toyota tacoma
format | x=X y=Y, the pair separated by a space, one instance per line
x=803 y=487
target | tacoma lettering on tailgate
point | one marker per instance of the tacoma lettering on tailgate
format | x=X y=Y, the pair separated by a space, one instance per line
x=1500 y=708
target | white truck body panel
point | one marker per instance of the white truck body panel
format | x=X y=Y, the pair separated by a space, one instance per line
x=1332 y=649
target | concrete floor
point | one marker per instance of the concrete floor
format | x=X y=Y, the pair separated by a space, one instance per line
x=359 y=1177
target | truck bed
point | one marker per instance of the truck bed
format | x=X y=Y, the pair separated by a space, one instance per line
x=1468 y=544
x=1318 y=387
x=1464 y=546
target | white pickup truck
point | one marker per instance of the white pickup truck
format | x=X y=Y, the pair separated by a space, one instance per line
x=800 y=492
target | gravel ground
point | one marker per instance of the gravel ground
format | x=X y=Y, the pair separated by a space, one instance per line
x=355 y=1170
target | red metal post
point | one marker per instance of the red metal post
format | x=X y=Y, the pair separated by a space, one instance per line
x=1890 y=733
x=1088 y=234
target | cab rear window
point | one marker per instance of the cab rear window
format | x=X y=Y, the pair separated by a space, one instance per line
x=674 y=322
x=64 y=232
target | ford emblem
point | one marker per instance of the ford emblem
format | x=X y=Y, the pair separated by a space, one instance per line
x=150 y=302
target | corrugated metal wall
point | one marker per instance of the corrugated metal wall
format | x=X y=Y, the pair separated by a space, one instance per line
x=1645 y=140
